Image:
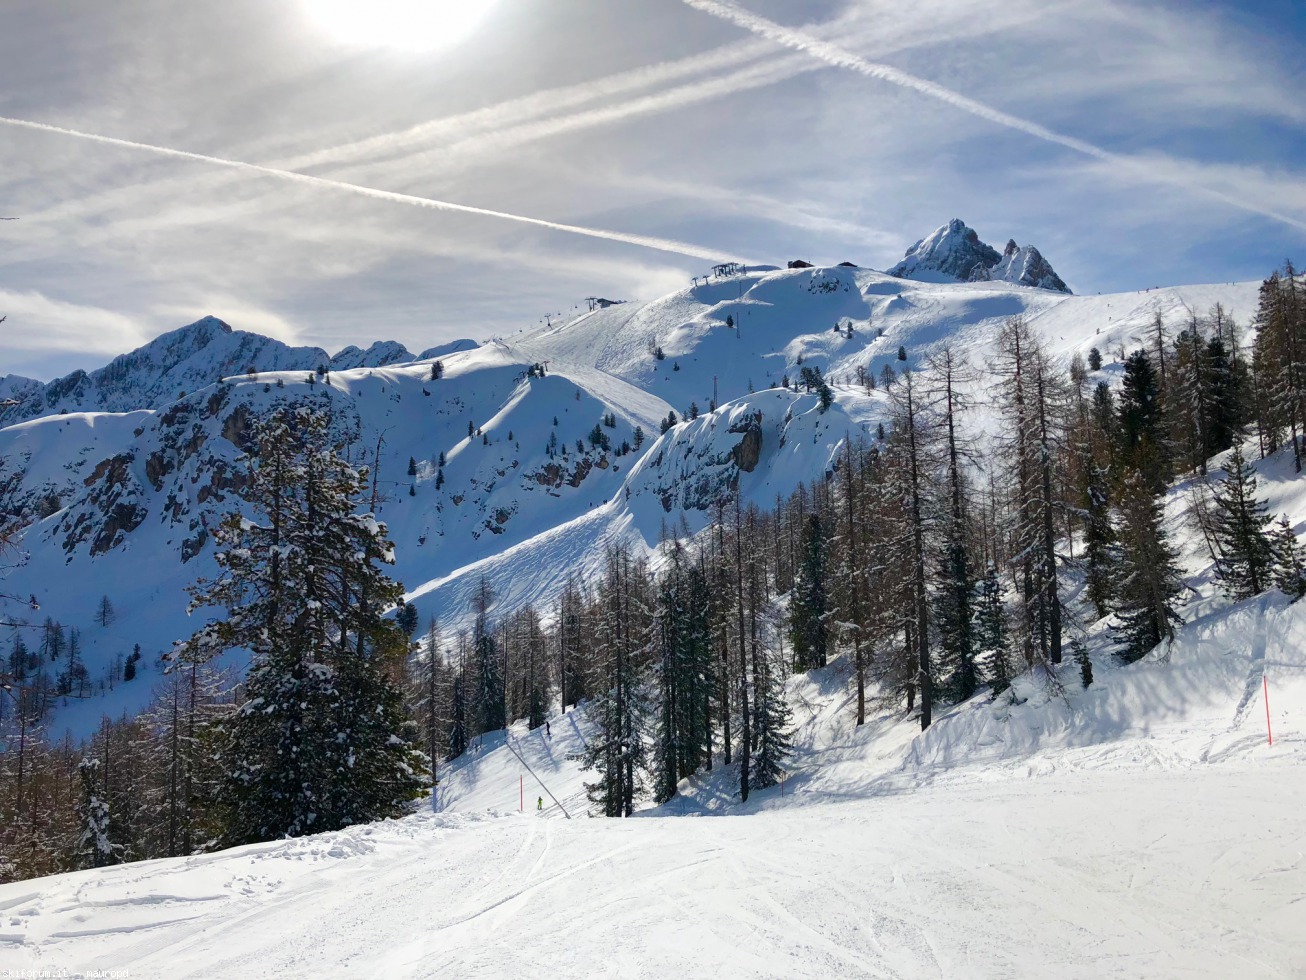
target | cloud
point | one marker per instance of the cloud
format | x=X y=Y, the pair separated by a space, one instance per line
x=39 y=323
x=1146 y=169
x=644 y=241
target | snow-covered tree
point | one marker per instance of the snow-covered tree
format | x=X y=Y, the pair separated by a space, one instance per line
x=1289 y=560
x=1246 y=560
x=95 y=848
x=320 y=741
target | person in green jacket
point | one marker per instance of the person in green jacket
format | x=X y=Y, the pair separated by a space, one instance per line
x=539 y=803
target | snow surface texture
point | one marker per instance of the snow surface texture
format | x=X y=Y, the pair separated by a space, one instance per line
x=1141 y=829
x=121 y=504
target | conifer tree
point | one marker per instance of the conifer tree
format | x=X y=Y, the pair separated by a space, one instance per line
x=95 y=849
x=618 y=748
x=991 y=632
x=1150 y=580
x=1289 y=561
x=956 y=582
x=808 y=608
x=912 y=449
x=1034 y=406
x=773 y=730
x=488 y=694
x=1246 y=560
x=683 y=670
x=1141 y=434
x=320 y=741
x=182 y=723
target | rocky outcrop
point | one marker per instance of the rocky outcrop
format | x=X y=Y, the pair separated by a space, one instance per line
x=749 y=450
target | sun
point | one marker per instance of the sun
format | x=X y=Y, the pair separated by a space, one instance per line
x=414 y=25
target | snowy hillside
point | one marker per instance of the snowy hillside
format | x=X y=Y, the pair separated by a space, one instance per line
x=121 y=504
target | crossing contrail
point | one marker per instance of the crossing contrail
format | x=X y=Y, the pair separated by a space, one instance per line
x=644 y=241
x=838 y=57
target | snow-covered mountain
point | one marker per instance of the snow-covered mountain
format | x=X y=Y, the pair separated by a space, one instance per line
x=954 y=253
x=538 y=471
x=174 y=363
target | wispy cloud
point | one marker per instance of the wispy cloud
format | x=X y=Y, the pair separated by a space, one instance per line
x=1145 y=169
x=644 y=241
x=478 y=146
x=66 y=326
x=537 y=105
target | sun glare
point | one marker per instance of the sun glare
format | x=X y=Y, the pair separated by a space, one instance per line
x=415 y=25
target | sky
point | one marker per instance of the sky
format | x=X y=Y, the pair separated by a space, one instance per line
x=334 y=172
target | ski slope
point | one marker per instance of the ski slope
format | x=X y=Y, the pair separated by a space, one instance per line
x=1122 y=874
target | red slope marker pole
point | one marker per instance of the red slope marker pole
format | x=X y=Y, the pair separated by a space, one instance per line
x=1265 y=683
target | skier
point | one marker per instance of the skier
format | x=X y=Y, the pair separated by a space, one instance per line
x=548 y=732
x=539 y=803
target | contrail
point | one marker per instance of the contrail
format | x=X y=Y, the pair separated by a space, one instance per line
x=644 y=241
x=839 y=58
x=536 y=105
x=754 y=76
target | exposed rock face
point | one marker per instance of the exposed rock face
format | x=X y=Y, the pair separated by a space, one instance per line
x=1028 y=267
x=749 y=450
x=955 y=253
x=952 y=251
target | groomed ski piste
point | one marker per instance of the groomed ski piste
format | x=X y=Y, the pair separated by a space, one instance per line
x=1145 y=827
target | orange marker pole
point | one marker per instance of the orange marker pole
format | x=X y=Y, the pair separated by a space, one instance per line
x=1265 y=683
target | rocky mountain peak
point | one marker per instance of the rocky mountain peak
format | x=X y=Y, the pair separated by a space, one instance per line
x=955 y=253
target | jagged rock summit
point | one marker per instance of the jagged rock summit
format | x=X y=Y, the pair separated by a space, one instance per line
x=955 y=253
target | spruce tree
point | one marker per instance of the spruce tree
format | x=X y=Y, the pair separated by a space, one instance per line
x=95 y=849
x=1142 y=442
x=683 y=670
x=489 y=692
x=808 y=606
x=618 y=749
x=956 y=585
x=1100 y=551
x=773 y=726
x=994 y=655
x=320 y=741
x=1246 y=560
x=1150 y=580
x=1289 y=561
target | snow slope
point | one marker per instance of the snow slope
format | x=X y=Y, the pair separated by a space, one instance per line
x=1103 y=875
